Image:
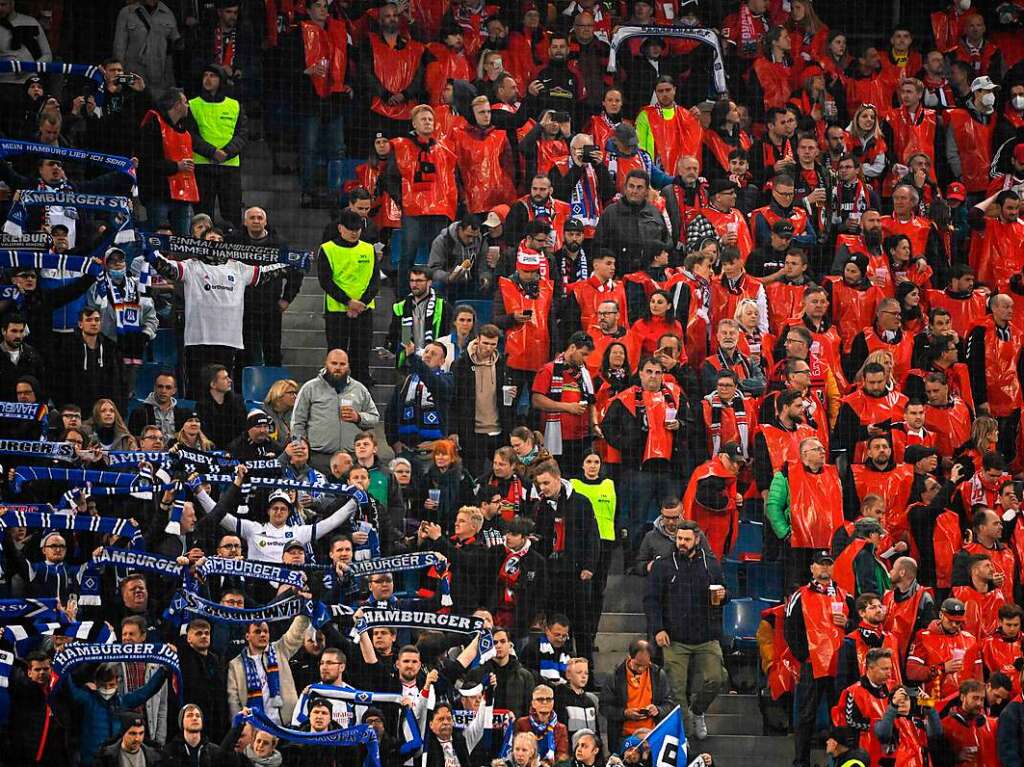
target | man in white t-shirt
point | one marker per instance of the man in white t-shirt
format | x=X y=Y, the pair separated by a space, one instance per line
x=214 y=306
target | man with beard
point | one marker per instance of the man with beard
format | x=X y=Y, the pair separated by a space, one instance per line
x=631 y=222
x=570 y=262
x=485 y=161
x=559 y=85
x=997 y=239
x=449 y=62
x=867 y=412
x=963 y=303
x=944 y=655
x=869 y=634
x=538 y=205
x=968 y=729
x=17 y=358
x=852 y=199
x=391 y=70
x=880 y=475
x=862 y=702
x=781 y=207
x=563 y=393
x=609 y=329
x=331 y=410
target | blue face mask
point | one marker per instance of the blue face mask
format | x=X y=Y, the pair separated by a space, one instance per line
x=116 y=274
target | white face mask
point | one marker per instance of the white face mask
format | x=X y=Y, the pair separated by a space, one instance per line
x=107 y=694
x=1018 y=102
x=964 y=4
x=988 y=100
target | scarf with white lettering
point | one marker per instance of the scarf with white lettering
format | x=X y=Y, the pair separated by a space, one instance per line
x=377 y=617
x=245 y=568
x=119 y=208
x=739 y=412
x=86 y=71
x=411 y=731
x=129 y=561
x=553 y=420
x=221 y=252
x=26 y=637
x=187 y=604
x=23 y=411
x=24 y=448
x=13 y=148
x=126 y=301
x=358 y=735
x=584 y=201
x=544 y=732
x=77 y=653
x=20 y=610
x=399 y=563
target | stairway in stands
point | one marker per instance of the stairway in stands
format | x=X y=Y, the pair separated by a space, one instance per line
x=302 y=338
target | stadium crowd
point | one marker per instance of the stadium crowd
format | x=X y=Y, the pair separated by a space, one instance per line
x=768 y=267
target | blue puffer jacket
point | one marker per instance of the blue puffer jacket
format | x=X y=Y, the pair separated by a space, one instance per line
x=100 y=722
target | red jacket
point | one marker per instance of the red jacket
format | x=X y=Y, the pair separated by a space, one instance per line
x=932 y=647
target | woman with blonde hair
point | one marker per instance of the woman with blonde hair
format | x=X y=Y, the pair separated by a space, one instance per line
x=191 y=435
x=278 y=403
x=752 y=343
x=884 y=358
x=109 y=428
x=524 y=752
x=865 y=135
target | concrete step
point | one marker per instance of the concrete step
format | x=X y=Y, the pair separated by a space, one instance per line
x=736 y=705
x=741 y=749
x=621 y=623
x=624 y=593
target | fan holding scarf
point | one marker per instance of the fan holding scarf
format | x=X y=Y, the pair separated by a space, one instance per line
x=127 y=314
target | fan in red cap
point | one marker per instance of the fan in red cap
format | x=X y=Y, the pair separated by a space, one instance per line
x=955 y=193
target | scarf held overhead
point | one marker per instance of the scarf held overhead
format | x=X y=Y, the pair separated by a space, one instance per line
x=374 y=617
x=74 y=655
x=359 y=735
x=57 y=451
x=188 y=247
x=12 y=148
x=129 y=559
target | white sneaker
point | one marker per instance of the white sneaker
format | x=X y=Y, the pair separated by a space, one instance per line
x=700 y=727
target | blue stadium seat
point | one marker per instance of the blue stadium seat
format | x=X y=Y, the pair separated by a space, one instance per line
x=187 y=404
x=749 y=541
x=145 y=377
x=163 y=349
x=740 y=619
x=483 y=310
x=731 y=574
x=256 y=382
x=764 y=580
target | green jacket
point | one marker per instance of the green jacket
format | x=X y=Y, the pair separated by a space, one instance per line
x=776 y=507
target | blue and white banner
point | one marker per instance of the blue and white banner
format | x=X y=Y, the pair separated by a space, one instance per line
x=78 y=653
x=172 y=246
x=668 y=741
x=359 y=735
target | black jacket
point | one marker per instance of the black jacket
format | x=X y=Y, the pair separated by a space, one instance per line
x=87 y=375
x=25 y=726
x=30 y=363
x=38 y=306
x=625 y=229
x=462 y=417
x=222 y=423
x=154 y=168
x=615 y=694
x=179 y=754
x=143 y=416
x=677 y=599
x=204 y=681
x=264 y=297
x=581 y=537
x=110 y=755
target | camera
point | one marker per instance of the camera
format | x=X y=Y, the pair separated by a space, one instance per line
x=560 y=117
x=125 y=80
x=590 y=153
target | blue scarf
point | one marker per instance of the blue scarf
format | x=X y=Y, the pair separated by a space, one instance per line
x=253 y=685
x=220 y=252
x=31 y=259
x=187 y=603
x=583 y=201
x=126 y=301
x=361 y=734
x=23 y=411
x=246 y=568
x=12 y=293
x=12 y=148
x=27 y=637
x=119 y=479
x=413 y=738
x=6 y=664
x=132 y=457
x=24 y=448
x=418 y=560
x=118 y=207
x=76 y=654
x=545 y=734
x=376 y=617
x=129 y=560
x=87 y=71
x=44 y=609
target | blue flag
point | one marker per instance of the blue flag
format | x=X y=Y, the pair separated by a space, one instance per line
x=668 y=741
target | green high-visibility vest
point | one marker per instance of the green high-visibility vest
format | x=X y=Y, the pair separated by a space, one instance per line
x=602 y=498
x=351 y=269
x=216 y=121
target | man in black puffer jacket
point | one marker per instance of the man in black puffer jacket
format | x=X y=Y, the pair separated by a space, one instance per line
x=628 y=225
x=190 y=747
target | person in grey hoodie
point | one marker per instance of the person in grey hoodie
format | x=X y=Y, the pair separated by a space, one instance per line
x=660 y=540
x=331 y=410
x=458 y=243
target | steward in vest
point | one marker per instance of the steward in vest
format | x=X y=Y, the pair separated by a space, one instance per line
x=909 y=606
x=986 y=540
x=997 y=239
x=885 y=334
x=1001 y=652
x=967 y=727
x=422 y=316
x=868 y=411
x=219 y=131
x=646 y=424
x=880 y=475
x=944 y=655
x=524 y=310
x=667 y=131
x=801 y=507
x=869 y=635
x=484 y=160
x=842 y=747
x=167 y=180
x=712 y=499
x=392 y=73
x=969 y=136
x=960 y=299
x=995 y=363
x=817 y=620
x=347 y=273
x=980 y=596
x=859 y=569
x=864 y=701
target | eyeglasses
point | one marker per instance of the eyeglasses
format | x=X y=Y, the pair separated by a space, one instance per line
x=545 y=699
x=58 y=546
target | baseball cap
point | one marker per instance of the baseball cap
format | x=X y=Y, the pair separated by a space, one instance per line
x=954 y=609
x=720 y=185
x=279 y=495
x=573 y=225
x=1018 y=152
x=915 y=453
x=257 y=418
x=293 y=544
x=866 y=526
x=733 y=451
x=528 y=262
x=783 y=228
x=492 y=221
x=823 y=556
x=983 y=83
x=956 y=191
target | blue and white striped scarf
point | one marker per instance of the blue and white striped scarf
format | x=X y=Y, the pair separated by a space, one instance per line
x=32 y=259
x=359 y=735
